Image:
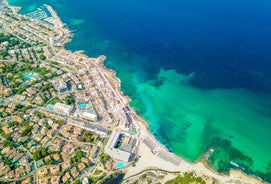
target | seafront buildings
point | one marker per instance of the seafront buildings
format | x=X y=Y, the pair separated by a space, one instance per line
x=120 y=147
x=57 y=108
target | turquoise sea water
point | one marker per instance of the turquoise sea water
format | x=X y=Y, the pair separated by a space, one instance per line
x=197 y=71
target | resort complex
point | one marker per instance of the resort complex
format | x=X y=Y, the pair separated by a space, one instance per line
x=120 y=147
x=63 y=118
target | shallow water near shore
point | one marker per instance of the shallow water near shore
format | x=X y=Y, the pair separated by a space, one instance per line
x=198 y=72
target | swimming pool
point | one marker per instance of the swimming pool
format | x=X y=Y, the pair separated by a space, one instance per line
x=83 y=106
x=29 y=75
x=120 y=165
x=50 y=107
x=92 y=111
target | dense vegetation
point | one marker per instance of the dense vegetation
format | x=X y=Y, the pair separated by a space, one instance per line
x=40 y=153
x=187 y=178
x=13 y=41
x=69 y=100
x=104 y=157
x=114 y=178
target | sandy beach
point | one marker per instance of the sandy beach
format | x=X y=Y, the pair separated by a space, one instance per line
x=150 y=161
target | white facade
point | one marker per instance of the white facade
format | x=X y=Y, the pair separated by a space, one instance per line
x=114 y=152
x=63 y=108
x=89 y=116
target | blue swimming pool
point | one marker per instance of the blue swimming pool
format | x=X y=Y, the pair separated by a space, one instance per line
x=120 y=165
x=83 y=106
x=92 y=111
x=29 y=75
x=50 y=107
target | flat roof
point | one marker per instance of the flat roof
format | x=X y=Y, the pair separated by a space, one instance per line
x=89 y=115
x=63 y=107
x=115 y=152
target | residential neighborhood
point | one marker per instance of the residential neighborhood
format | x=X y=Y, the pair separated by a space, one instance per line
x=57 y=108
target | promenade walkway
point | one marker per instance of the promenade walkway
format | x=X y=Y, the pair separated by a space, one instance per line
x=160 y=153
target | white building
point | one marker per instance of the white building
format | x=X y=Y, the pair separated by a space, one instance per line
x=50 y=122
x=115 y=152
x=89 y=116
x=85 y=181
x=63 y=108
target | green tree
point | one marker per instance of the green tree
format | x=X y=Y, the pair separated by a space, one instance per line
x=36 y=155
x=77 y=181
x=69 y=100
x=48 y=162
x=104 y=157
x=40 y=153
x=43 y=152
x=187 y=178
x=42 y=57
x=79 y=154
x=26 y=131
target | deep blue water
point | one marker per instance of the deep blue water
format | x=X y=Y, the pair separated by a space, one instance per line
x=226 y=43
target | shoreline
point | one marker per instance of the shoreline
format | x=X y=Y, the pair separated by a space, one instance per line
x=55 y=18
x=15 y=9
x=233 y=173
x=143 y=126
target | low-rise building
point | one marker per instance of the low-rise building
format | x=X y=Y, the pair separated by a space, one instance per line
x=66 y=165
x=114 y=152
x=26 y=181
x=66 y=177
x=55 y=180
x=43 y=172
x=81 y=166
x=56 y=157
x=63 y=108
x=74 y=172
x=89 y=116
x=54 y=170
x=44 y=181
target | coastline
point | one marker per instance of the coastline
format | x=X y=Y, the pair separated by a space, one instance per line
x=15 y=9
x=56 y=20
x=199 y=167
x=113 y=80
